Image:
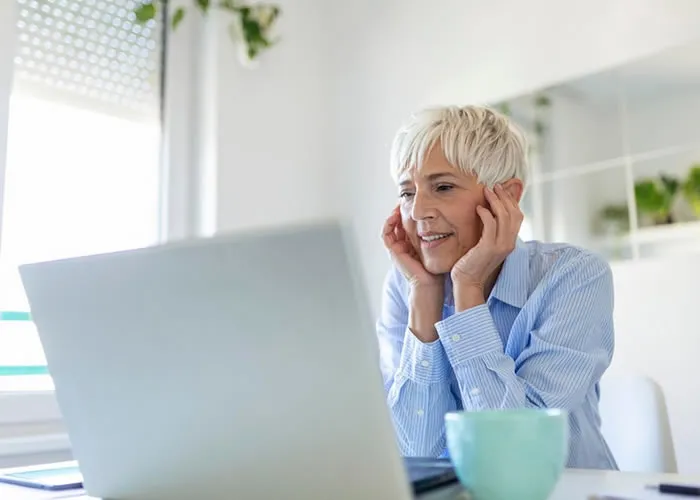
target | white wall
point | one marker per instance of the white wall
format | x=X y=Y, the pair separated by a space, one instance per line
x=274 y=160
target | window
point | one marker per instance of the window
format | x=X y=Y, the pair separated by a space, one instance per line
x=83 y=172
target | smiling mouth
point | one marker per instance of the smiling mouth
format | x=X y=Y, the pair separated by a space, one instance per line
x=433 y=240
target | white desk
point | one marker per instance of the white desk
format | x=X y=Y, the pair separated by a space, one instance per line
x=574 y=485
x=580 y=484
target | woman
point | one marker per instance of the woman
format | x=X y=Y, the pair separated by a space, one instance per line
x=473 y=317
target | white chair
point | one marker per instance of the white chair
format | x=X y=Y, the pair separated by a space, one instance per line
x=635 y=424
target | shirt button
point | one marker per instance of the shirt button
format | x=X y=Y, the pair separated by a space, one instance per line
x=420 y=412
x=425 y=363
x=455 y=338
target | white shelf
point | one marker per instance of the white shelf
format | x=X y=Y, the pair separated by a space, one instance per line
x=666 y=232
x=596 y=137
x=663 y=233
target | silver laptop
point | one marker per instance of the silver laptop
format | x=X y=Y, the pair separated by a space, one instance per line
x=236 y=367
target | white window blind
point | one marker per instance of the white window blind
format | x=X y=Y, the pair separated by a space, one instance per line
x=89 y=53
x=83 y=167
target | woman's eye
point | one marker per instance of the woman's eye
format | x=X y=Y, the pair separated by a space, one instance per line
x=405 y=194
x=444 y=187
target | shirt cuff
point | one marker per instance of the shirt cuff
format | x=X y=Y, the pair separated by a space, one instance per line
x=469 y=334
x=422 y=363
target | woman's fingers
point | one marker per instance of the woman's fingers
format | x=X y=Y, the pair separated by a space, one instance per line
x=515 y=214
x=388 y=238
x=508 y=218
x=500 y=212
x=489 y=233
x=390 y=224
x=508 y=201
x=394 y=234
x=399 y=230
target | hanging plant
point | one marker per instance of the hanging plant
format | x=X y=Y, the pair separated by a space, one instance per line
x=251 y=25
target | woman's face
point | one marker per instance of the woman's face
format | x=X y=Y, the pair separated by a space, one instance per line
x=438 y=210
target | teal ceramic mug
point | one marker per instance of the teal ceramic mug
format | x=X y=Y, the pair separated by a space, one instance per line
x=508 y=454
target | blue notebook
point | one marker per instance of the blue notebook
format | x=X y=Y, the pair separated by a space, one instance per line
x=58 y=476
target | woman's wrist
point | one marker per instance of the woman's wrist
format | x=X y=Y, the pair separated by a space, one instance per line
x=467 y=297
x=425 y=309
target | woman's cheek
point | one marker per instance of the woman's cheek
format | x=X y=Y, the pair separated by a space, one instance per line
x=405 y=209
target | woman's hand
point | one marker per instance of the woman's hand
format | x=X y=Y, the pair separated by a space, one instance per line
x=501 y=227
x=427 y=290
x=404 y=255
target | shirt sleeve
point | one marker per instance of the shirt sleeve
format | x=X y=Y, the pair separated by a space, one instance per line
x=568 y=351
x=416 y=377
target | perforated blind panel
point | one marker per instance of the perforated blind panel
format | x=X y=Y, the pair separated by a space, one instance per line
x=89 y=53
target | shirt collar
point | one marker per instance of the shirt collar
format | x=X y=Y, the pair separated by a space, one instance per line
x=512 y=284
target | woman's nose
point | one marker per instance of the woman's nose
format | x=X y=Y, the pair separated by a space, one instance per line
x=423 y=207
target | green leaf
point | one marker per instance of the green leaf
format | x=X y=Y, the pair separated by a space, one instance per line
x=652 y=198
x=616 y=212
x=178 y=17
x=542 y=101
x=691 y=188
x=204 y=5
x=145 y=12
x=253 y=25
x=504 y=108
x=229 y=5
x=670 y=183
x=252 y=52
x=253 y=32
x=539 y=127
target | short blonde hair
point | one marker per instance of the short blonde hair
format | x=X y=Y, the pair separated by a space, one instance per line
x=474 y=139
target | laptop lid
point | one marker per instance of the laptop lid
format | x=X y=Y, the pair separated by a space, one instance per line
x=240 y=366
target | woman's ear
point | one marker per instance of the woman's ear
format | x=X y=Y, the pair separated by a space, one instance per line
x=514 y=187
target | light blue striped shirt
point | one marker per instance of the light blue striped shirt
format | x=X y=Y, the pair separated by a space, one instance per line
x=543 y=339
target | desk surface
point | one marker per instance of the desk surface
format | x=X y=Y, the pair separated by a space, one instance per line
x=574 y=485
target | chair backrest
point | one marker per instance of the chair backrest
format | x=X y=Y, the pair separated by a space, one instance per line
x=635 y=423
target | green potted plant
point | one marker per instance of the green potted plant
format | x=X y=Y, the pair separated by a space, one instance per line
x=614 y=220
x=691 y=188
x=654 y=198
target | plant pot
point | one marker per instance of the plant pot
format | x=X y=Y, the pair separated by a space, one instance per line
x=662 y=219
x=613 y=227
